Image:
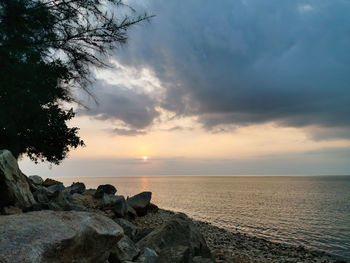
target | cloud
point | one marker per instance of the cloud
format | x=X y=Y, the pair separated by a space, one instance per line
x=304 y=8
x=178 y=128
x=135 y=109
x=128 y=132
x=243 y=62
x=328 y=133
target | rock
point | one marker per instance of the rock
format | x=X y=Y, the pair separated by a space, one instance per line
x=90 y=192
x=53 y=206
x=105 y=189
x=176 y=254
x=12 y=210
x=36 y=179
x=119 y=207
x=109 y=200
x=115 y=203
x=129 y=228
x=76 y=188
x=64 y=200
x=202 y=260
x=39 y=206
x=53 y=237
x=50 y=182
x=86 y=200
x=147 y=256
x=125 y=250
x=56 y=188
x=14 y=187
x=110 y=204
x=176 y=239
x=140 y=202
x=130 y=211
x=141 y=233
x=152 y=208
x=42 y=195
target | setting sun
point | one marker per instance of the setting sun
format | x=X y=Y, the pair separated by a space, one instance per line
x=145 y=158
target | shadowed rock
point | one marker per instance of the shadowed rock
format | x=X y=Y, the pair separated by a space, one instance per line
x=119 y=207
x=202 y=260
x=175 y=254
x=125 y=250
x=50 y=182
x=12 y=210
x=129 y=228
x=14 y=187
x=140 y=202
x=130 y=211
x=42 y=195
x=76 y=188
x=147 y=256
x=176 y=241
x=56 y=188
x=36 y=179
x=53 y=237
x=117 y=204
x=105 y=189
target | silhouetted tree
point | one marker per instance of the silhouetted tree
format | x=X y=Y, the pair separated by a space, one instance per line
x=47 y=48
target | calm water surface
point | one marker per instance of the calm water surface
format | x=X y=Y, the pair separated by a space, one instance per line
x=309 y=211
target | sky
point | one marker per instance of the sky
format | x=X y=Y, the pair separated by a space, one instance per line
x=220 y=88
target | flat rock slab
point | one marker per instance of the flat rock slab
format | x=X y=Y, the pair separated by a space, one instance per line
x=52 y=237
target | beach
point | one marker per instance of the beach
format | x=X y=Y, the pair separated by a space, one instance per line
x=301 y=211
x=235 y=247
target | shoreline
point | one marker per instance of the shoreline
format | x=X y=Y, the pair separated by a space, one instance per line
x=235 y=247
x=116 y=229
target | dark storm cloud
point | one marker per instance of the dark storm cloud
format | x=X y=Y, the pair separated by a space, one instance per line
x=116 y=102
x=245 y=62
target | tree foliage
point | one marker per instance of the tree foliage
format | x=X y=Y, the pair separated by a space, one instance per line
x=47 y=48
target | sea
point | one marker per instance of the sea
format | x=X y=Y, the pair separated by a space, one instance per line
x=312 y=211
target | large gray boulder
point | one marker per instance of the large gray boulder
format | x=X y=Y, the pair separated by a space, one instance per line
x=14 y=187
x=140 y=202
x=177 y=240
x=57 y=237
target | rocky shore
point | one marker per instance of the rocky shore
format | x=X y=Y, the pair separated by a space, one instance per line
x=45 y=221
x=235 y=247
